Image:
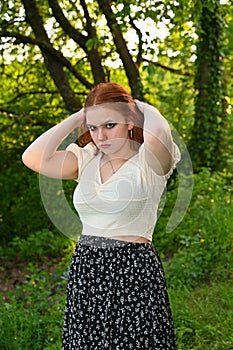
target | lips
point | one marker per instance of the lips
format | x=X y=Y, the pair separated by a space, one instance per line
x=105 y=145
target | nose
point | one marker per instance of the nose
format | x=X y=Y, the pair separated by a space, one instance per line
x=101 y=134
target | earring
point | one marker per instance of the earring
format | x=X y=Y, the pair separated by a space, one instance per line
x=131 y=134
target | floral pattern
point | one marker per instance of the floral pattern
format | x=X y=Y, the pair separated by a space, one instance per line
x=117 y=298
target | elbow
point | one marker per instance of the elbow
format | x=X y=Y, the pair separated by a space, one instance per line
x=26 y=157
x=29 y=160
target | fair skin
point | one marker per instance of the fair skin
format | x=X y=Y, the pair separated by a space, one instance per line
x=158 y=140
x=43 y=156
x=109 y=131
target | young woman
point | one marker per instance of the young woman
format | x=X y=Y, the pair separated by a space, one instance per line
x=116 y=295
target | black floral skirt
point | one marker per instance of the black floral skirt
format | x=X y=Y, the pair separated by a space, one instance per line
x=117 y=298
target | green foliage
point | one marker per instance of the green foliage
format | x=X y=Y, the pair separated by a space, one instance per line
x=33 y=317
x=204 y=238
x=203 y=316
x=29 y=109
x=30 y=102
x=36 y=246
x=26 y=110
x=197 y=258
x=179 y=107
x=210 y=108
x=26 y=329
x=198 y=253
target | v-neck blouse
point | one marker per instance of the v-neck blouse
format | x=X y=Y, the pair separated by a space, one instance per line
x=124 y=205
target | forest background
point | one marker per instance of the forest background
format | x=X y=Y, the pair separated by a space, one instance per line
x=176 y=55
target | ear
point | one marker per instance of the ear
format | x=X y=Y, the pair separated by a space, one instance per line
x=130 y=126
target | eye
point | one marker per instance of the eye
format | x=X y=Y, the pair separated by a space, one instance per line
x=110 y=125
x=91 y=127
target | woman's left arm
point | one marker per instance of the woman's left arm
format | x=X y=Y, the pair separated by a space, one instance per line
x=158 y=141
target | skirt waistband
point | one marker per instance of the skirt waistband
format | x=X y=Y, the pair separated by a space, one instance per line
x=106 y=242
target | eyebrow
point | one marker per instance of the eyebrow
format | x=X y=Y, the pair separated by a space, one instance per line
x=106 y=122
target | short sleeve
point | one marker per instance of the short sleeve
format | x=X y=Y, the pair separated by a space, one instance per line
x=83 y=154
x=176 y=156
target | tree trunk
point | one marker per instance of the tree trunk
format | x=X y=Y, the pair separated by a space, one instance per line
x=205 y=143
x=130 y=66
x=93 y=54
x=55 y=68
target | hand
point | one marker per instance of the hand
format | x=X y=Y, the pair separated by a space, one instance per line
x=154 y=118
x=146 y=107
x=140 y=105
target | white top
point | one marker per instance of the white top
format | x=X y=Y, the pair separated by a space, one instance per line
x=127 y=203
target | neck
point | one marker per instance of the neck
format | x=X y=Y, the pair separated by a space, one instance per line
x=115 y=161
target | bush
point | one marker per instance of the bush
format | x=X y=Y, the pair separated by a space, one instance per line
x=36 y=246
x=197 y=259
x=27 y=329
x=202 y=243
x=203 y=317
x=32 y=317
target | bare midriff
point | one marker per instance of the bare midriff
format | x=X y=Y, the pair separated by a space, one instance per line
x=133 y=239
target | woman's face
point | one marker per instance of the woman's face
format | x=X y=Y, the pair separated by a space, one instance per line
x=108 y=129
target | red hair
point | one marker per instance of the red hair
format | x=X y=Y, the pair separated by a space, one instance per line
x=110 y=93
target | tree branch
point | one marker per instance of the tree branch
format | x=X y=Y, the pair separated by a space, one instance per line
x=140 y=42
x=54 y=66
x=47 y=47
x=170 y=69
x=93 y=54
x=122 y=49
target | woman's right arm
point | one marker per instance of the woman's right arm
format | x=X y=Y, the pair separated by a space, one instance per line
x=43 y=157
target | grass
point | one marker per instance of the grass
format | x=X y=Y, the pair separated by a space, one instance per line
x=32 y=316
x=203 y=317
